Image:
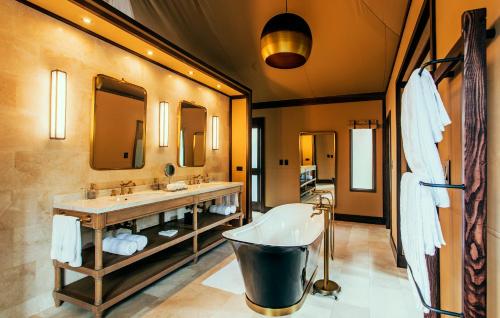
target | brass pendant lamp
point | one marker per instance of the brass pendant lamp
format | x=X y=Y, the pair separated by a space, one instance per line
x=286 y=41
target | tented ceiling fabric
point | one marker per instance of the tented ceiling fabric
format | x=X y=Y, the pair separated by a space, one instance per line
x=123 y=5
x=354 y=41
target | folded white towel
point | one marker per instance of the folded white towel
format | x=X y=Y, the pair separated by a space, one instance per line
x=176 y=186
x=168 y=233
x=66 y=244
x=222 y=209
x=181 y=212
x=234 y=200
x=141 y=240
x=119 y=246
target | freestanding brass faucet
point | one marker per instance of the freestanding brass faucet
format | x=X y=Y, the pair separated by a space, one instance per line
x=325 y=286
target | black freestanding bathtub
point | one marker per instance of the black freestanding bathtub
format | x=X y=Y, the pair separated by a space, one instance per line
x=278 y=257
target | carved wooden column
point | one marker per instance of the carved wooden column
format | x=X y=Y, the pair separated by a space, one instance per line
x=474 y=158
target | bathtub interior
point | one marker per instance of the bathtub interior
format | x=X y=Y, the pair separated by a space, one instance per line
x=285 y=225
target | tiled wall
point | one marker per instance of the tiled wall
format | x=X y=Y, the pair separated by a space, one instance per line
x=33 y=168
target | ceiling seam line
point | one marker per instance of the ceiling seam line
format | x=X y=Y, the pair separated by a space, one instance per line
x=376 y=16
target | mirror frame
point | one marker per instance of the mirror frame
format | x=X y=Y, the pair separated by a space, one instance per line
x=169 y=166
x=93 y=119
x=179 y=121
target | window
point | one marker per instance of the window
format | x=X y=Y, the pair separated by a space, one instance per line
x=362 y=159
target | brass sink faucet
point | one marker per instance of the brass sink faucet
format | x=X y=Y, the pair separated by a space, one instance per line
x=123 y=186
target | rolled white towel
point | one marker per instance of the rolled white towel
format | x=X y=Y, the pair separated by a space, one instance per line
x=119 y=246
x=233 y=209
x=220 y=209
x=181 y=212
x=224 y=210
x=234 y=200
x=141 y=240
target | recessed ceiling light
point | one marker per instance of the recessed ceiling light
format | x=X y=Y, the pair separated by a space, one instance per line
x=170 y=75
x=150 y=52
x=218 y=85
x=87 y=20
x=190 y=72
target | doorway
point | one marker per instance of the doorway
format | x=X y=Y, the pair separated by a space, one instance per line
x=258 y=172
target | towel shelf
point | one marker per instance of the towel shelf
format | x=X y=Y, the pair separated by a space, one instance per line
x=83 y=218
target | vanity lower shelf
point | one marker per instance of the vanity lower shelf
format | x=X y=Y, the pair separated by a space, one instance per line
x=126 y=281
x=156 y=243
x=211 y=238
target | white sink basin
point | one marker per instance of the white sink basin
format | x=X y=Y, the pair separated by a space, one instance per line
x=204 y=185
x=135 y=197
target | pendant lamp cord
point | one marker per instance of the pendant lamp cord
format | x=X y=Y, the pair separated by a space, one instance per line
x=286 y=6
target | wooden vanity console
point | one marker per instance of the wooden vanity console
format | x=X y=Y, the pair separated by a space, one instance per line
x=111 y=278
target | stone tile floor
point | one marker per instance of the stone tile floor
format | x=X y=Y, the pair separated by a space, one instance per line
x=372 y=286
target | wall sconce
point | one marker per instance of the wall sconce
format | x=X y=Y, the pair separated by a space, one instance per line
x=58 y=85
x=163 y=124
x=215 y=132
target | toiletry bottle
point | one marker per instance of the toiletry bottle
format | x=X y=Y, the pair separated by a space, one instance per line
x=91 y=192
x=156 y=184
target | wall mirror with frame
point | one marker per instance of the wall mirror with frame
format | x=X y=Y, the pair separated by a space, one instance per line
x=118 y=125
x=318 y=162
x=192 y=135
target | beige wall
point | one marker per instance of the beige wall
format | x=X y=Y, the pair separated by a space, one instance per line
x=282 y=128
x=33 y=168
x=448 y=30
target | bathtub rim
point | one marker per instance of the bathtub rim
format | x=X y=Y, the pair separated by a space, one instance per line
x=263 y=218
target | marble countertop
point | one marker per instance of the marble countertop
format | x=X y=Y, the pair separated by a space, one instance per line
x=112 y=203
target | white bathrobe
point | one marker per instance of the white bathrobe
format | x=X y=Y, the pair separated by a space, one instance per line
x=423 y=118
